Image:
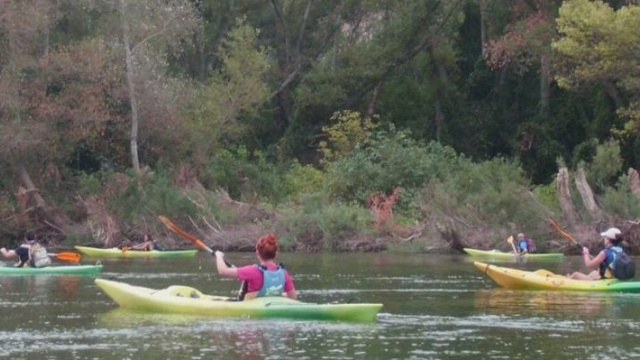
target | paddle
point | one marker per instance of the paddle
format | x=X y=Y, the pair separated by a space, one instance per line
x=554 y=224
x=200 y=245
x=513 y=246
x=197 y=242
x=67 y=256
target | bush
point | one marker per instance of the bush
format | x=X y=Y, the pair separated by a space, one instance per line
x=248 y=176
x=336 y=223
x=157 y=196
x=388 y=160
x=493 y=193
x=620 y=201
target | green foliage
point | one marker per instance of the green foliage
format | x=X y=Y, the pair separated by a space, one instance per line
x=337 y=222
x=238 y=89
x=599 y=45
x=605 y=166
x=584 y=152
x=303 y=179
x=386 y=161
x=547 y=196
x=347 y=131
x=493 y=193
x=620 y=201
x=247 y=176
x=157 y=196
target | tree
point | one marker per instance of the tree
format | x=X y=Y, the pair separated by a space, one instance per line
x=600 y=46
x=238 y=89
x=158 y=24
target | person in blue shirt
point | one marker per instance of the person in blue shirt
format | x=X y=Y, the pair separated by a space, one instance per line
x=523 y=244
x=612 y=239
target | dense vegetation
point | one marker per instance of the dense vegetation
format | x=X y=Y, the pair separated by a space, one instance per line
x=341 y=125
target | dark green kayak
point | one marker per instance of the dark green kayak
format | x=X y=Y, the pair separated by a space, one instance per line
x=52 y=270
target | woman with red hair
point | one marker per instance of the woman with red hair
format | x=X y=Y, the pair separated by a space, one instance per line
x=265 y=279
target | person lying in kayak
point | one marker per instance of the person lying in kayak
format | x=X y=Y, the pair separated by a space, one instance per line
x=611 y=262
x=264 y=279
x=21 y=253
x=29 y=253
x=147 y=244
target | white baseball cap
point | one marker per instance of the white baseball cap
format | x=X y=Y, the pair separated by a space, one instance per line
x=611 y=233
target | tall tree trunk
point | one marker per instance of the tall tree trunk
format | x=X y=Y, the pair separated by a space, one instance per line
x=634 y=181
x=545 y=82
x=483 y=20
x=587 y=195
x=564 y=196
x=31 y=189
x=135 y=162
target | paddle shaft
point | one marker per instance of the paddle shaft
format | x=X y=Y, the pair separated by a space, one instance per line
x=554 y=224
x=197 y=242
x=202 y=246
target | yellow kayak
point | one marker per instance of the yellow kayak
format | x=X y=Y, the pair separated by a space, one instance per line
x=187 y=300
x=546 y=280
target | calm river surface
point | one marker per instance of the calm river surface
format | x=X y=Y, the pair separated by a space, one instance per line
x=435 y=307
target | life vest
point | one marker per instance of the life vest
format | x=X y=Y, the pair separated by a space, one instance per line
x=527 y=245
x=618 y=262
x=38 y=256
x=272 y=283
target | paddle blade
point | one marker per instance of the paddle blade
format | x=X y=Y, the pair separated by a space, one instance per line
x=510 y=239
x=567 y=236
x=68 y=256
x=176 y=229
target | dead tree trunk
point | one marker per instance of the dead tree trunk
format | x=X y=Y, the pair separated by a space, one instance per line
x=564 y=196
x=587 y=195
x=634 y=181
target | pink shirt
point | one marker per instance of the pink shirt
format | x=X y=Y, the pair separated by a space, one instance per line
x=253 y=275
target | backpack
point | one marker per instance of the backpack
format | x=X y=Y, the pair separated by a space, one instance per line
x=531 y=246
x=38 y=256
x=623 y=266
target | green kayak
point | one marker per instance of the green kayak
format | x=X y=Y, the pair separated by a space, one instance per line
x=118 y=253
x=187 y=300
x=499 y=255
x=53 y=270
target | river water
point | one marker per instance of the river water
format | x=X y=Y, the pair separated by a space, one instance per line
x=435 y=307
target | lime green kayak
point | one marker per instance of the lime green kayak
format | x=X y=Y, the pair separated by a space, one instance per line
x=118 y=253
x=546 y=280
x=499 y=255
x=52 y=270
x=187 y=300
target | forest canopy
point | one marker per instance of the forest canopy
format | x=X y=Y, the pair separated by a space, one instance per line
x=336 y=120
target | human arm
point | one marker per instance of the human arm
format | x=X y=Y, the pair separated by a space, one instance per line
x=592 y=262
x=289 y=288
x=9 y=254
x=223 y=268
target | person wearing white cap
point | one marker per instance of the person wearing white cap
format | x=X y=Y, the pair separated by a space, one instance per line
x=605 y=259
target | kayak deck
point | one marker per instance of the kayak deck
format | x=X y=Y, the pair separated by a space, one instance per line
x=52 y=270
x=547 y=280
x=500 y=255
x=119 y=253
x=187 y=300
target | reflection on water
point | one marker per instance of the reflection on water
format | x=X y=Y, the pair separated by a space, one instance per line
x=435 y=307
x=555 y=303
